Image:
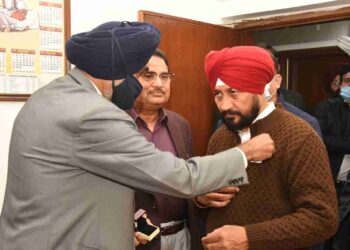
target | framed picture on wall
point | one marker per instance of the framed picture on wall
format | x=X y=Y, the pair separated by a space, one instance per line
x=32 y=39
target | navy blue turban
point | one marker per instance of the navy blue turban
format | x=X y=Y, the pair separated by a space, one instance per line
x=113 y=50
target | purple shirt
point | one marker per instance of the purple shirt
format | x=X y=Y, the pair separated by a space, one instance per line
x=165 y=208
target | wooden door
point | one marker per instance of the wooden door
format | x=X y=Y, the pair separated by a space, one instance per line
x=186 y=43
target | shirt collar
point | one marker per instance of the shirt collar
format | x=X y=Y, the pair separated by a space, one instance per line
x=268 y=110
x=134 y=114
x=163 y=116
x=245 y=135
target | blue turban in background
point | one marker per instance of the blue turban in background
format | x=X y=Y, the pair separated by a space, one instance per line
x=113 y=50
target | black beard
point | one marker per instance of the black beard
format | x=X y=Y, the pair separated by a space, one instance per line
x=245 y=121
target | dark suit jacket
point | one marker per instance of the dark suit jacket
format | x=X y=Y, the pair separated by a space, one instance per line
x=334 y=119
x=293 y=97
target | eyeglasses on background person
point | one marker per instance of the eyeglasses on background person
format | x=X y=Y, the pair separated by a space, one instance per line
x=150 y=76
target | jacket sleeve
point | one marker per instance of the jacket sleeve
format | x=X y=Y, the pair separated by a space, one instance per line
x=314 y=123
x=313 y=196
x=107 y=144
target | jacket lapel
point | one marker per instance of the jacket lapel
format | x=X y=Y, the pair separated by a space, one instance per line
x=176 y=133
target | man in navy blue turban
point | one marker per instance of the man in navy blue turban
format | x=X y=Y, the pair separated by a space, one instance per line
x=76 y=158
x=115 y=50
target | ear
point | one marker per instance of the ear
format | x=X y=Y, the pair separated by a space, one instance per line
x=277 y=80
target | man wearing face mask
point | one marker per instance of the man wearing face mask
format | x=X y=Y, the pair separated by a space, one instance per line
x=75 y=158
x=335 y=125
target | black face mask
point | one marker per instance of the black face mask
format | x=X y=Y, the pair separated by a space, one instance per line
x=125 y=94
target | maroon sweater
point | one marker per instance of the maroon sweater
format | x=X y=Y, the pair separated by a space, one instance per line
x=290 y=202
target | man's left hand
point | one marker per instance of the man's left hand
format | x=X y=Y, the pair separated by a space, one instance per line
x=226 y=237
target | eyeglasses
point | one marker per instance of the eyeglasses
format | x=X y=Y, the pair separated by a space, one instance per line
x=150 y=76
x=336 y=82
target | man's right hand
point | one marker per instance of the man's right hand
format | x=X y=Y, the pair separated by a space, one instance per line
x=259 y=148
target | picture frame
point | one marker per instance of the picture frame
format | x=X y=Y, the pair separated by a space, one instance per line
x=33 y=34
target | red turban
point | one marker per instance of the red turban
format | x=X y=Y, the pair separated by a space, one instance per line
x=244 y=68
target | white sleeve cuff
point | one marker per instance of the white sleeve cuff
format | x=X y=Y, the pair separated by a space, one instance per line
x=244 y=157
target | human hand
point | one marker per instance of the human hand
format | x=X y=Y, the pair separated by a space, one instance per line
x=19 y=14
x=138 y=239
x=259 y=148
x=228 y=237
x=219 y=198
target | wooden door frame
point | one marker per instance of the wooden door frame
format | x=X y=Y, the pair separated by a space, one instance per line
x=248 y=27
x=294 y=20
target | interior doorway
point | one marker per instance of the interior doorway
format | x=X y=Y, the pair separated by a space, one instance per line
x=307 y=48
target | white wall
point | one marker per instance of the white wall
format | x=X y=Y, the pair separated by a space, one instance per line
x=89 y=16
x=211 y=11
x=119 y=10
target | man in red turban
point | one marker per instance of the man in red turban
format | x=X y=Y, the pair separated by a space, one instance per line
x=241 y=69
x=290 y=202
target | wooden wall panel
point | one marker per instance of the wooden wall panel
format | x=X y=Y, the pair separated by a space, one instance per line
x=186 y=43
x=247 y=38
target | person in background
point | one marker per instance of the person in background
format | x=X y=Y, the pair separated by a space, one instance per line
x=334 y=119
x=169 y=132
x=334 y=87
x=76 y=158
x=290 y=202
